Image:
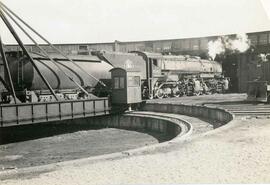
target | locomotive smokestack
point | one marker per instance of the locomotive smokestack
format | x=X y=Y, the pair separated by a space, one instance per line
x=240 y=44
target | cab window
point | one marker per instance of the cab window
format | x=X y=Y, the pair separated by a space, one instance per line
x=119 y=83
x=116 y=82
x=155 y=62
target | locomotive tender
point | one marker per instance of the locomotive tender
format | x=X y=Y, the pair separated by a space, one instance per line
x=29 y=86
x=161 y=75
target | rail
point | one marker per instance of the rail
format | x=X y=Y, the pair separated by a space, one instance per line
x=28 y=113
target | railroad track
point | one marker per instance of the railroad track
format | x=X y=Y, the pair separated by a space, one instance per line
x=234 y=103
x=245 y=109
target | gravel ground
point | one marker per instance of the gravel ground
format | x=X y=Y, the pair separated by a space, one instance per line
x=236 y=153
x=70 y=146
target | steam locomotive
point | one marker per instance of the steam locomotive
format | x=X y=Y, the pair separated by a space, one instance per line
x=161 y=75
x=170 y=75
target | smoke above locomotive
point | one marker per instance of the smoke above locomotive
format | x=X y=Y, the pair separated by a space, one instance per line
x=239 y=44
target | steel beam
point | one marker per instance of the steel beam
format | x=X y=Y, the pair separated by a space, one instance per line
x=5 y=62
x=44 y=52
x=15 y=35
x=51 y=45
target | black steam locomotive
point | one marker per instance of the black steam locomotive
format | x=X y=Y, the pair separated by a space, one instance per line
x=161 y=75
x=170 y=75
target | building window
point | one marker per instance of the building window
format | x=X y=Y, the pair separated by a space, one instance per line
x=253 y=39
x=177 y=45
x=186 y=44
x=83 y=47
x=194 y=44
x=204 y=44
x=263 y=39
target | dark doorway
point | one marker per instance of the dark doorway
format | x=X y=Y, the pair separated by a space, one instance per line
x=230 y=66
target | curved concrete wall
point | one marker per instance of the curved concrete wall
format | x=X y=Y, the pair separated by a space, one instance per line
x=170 y=127
x=157 y=123
x=215 y=114
x=142 y=122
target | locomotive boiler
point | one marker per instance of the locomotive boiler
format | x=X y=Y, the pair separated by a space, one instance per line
x=170 y=75
x=188 y=75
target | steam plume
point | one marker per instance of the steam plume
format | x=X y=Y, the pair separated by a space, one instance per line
x=240 y=44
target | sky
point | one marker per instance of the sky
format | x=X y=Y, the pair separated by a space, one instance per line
x=91 y=21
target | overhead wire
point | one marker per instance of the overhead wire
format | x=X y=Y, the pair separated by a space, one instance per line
x=19 y=41
x=51 y=45
x=45 y=53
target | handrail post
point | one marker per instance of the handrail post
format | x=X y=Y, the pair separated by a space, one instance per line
x=46 y=109
x=17 y=114
x=60 y=112
x=94 y=107
x=1 y=112
x=84 y=109
x=32 y=110
x=104 y=103
x=72 y=110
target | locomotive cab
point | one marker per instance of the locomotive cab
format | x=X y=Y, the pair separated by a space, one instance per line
x=126 y=86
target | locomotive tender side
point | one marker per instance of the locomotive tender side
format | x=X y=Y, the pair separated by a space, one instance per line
x=28 y=83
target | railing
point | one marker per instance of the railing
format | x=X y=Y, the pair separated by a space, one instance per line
x=27 y=113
